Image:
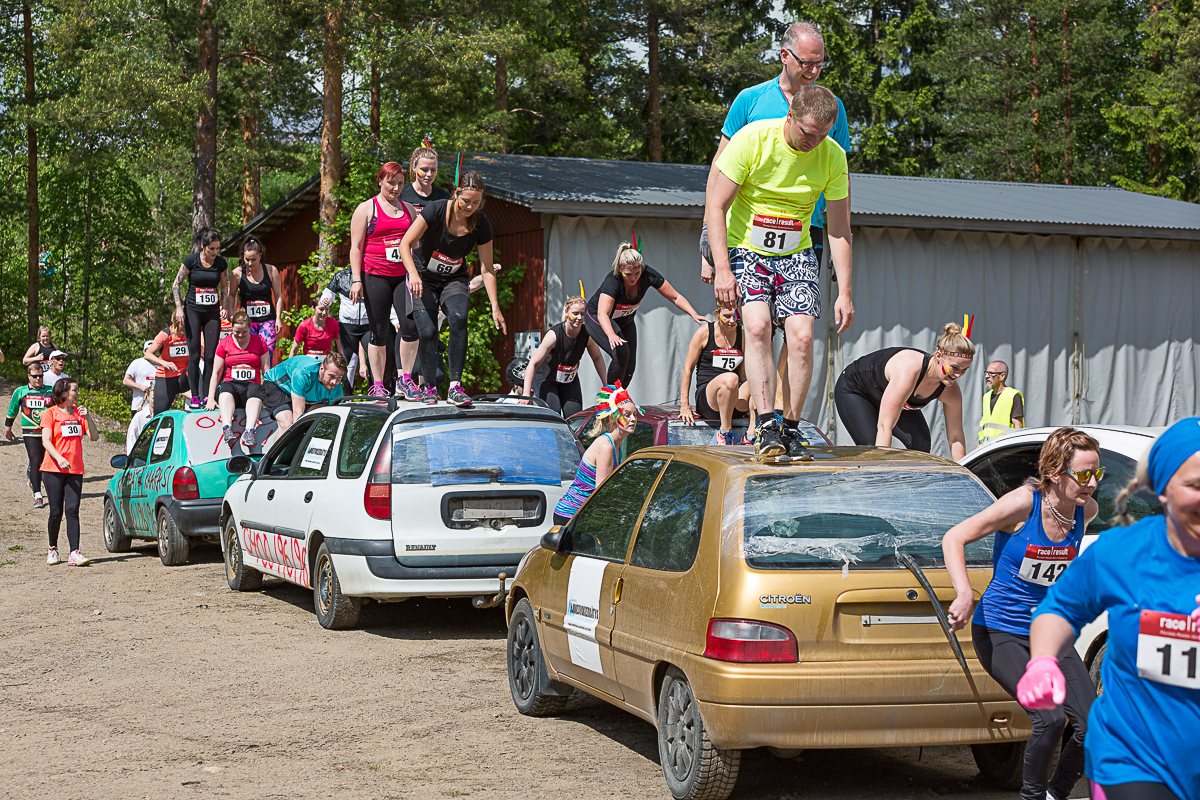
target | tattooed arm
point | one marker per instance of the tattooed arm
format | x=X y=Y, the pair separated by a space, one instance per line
x=175 y=292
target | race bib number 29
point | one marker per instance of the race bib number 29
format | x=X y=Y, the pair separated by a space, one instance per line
x=1168 y=649
x=177 y=351
x=1044 y=565
x=778 y=235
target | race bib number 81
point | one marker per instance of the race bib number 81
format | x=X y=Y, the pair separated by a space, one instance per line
x=778 y=235
x=1043 y=565
x=1168 y=649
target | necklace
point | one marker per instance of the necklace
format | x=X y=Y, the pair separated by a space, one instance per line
x=1063 y=520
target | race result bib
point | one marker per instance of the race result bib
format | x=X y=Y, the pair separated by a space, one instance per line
x=71 y=429
x=1168 y=648
x=242 y=373
x=177 y=350
x=36 y=402
x=728 y=360
x=1044 y=565
x=45 y=367
x=206 y=297
x=258 y=309
x=620 y=310
x=391 y=250
x=443 y=264
x=566 y=374
x=778 y=235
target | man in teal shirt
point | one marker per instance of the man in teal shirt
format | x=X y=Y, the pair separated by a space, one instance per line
x=300 y=383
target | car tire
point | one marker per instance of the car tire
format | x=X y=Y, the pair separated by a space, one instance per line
x=335 y=611
x=239 y=577
x=1001 y=764
x=526 y=667
x=172 y=544
x=1094 y=669
x=694 y=767
x=115 y=538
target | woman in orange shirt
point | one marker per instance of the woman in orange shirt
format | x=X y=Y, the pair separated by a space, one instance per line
x=63 y=427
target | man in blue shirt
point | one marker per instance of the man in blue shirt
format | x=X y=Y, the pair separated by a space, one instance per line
x=300 y=383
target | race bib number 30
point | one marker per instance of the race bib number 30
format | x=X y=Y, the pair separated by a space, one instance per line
x=728 y=360
x=443 y=264
x=71 y=429
x=258 y=309
x=778 y=235
x=243 y=373
x=206 y=297
x=1043 y=565
x=1168 y=649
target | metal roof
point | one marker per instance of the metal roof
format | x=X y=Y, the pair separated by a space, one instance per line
x=593 y=187
x=275 y=216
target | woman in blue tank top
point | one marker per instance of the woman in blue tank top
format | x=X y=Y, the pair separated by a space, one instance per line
x=616 y=418
x=1039 y=529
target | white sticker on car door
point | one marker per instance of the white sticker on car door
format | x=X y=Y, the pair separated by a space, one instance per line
x=583 y=612
x=314 y=455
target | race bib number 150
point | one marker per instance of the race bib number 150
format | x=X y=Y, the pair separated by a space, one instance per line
x=206 y=297
x=778 y=235
x=1168 y=649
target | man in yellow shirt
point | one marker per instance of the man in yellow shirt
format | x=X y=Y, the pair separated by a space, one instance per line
x=758 y=211
x=1003 y=406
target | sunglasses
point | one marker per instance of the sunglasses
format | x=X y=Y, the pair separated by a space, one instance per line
x=1082 y=476
x=994 y=374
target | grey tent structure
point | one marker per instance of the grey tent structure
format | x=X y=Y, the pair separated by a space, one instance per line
x=1088 y=293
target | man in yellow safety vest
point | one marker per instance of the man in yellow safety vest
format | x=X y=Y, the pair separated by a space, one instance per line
x=1003 y=406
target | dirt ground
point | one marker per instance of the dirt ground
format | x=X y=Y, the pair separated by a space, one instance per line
x=128 y=679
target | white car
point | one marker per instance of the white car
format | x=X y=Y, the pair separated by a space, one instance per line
x=388 y=500
x=1006 y=462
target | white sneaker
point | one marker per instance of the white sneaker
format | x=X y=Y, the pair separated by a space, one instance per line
x=52 y=557
x=78 y=559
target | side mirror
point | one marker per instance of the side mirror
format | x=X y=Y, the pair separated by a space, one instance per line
x=552 y=539
x=118 y=462
x=239 y=465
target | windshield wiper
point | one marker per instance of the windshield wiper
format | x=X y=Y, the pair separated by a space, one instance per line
x=495 y=472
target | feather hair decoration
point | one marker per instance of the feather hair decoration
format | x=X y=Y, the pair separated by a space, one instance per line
x=637 y=243
x=610 y=398
x=458 y=170
x=581 y=294
x=968 y=324
x=427 y=142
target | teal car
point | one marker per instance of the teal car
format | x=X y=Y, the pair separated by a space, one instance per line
x=169 y=487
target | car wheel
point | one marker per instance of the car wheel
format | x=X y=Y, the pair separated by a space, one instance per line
x=335 y=610
x=1001 y=764
x=526 y=669
x=172 y=545
x=239 y=577
x=115 y=538
x=695 y=769
x=1094 y=669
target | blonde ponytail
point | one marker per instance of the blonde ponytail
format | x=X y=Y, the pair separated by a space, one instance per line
x=626 y=254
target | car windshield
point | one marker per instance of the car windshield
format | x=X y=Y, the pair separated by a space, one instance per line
x=443 y=453
x=702 y=432
x=854 y=519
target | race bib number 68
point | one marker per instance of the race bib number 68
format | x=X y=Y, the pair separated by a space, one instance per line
x=1044 y=565
x=778 y=235
x=1168 y=649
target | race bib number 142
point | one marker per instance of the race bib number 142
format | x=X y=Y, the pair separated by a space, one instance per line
x=1168 y=649
x=1043 y=565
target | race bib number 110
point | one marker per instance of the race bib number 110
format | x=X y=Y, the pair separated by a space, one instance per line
x=778 y=235
x=1168 y=649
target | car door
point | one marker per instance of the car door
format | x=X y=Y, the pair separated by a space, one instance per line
x=160 y=471
x=581 y=583
x=648 y=624
x=132 y=500
x=298 y=493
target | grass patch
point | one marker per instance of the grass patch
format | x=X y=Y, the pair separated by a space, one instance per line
x=6 y=562
x=16 y=548
x=373 y=767
x=116 y=437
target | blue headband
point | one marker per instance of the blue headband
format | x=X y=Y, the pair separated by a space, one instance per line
x=1177 y=444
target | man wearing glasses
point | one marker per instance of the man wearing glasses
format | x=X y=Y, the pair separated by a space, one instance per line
x=29 y=402
x=1003 y=406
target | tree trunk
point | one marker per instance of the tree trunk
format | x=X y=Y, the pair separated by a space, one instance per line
x=1155 y=151
x=376 y=103
x=1008 y=101
x=1066 y=53
x=204 y=179
x=655 y=101
x=331 y=135
x=87 y=261
x=251 y=177
x=31 y=182
x=1034 y=158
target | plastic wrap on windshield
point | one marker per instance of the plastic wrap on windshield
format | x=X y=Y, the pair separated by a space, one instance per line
x=849 y=519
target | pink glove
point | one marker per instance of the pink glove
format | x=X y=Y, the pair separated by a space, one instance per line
x=1043 y=685
x=1196 y=613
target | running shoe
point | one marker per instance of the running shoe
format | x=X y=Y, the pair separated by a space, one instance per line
x=797 y=445
x=457 y=396
x=78 y=559
x=38 y=502
x=195 y=404
x=405 y=386
x=428 y=395
x=377 y=390
x=723 y=437
x=229 y=436
x=250 y=437
x=770 y=443
x=52 y=557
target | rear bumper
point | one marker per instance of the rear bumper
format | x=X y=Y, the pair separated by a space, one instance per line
x=369 y=568
x=196 y=517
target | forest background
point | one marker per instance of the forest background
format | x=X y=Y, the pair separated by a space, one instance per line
x=129 y=124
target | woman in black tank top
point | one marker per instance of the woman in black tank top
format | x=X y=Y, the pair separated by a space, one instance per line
x=562 y=350
x=880 y=395
x=260 y=297
x=717 y=357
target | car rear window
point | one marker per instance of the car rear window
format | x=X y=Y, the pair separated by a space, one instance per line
x=483 y=451
x=856 y=519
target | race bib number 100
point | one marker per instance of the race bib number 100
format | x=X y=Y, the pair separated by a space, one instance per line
x=242 y=373
x=1043 y=565
x=778 y=235
x=1168 y=649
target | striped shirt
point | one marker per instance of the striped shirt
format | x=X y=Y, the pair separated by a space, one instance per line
x=583 y=485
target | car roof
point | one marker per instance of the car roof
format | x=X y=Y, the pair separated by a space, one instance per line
x=824 y=458
x=1130 y=440
x=411 y=412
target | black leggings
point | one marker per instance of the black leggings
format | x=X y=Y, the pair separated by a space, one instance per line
x=565 y=398
x=1139 y=790
x=454 y=298
x=1005 y=656
x=860 y=415
x=165 y=392
x=197 y=321
x=36 y=452
x=63 y=489
x=350 y=335
x=382 y=294
x=623 y=360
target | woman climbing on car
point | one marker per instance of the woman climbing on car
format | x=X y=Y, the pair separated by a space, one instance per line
x=63 y=427
x=1039 y=529
x=881 y=394
x=611 y=317
x=260 y=293
x=722 y=393
x=240 y=363
x=200 y=312
x=562 y=350
x=1142 y=734
x=616 y=418
x=169 y=353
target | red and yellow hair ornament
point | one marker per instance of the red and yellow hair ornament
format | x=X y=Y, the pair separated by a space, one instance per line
x=610 y=398
x=968 y=324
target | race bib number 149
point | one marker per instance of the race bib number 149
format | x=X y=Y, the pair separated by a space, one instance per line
x=1168 y=649
x=778 y=235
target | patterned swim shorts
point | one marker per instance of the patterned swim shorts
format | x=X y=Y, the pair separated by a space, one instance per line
x=789 y=283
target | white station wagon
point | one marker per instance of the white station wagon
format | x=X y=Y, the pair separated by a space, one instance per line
x=389 y=500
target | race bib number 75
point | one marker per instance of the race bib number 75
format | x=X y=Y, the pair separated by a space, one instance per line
x=1044 y=565
x=1168 y=648
x=778 y=235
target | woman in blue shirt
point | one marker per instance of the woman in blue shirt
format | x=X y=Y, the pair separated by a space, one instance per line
x=1143 y=740
x=1039 y=528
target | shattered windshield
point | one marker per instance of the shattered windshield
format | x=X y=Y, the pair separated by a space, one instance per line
x=856 y=519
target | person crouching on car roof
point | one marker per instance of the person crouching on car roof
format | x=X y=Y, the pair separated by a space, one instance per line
x=616 y=418
x=240 y=361
x=301 y=383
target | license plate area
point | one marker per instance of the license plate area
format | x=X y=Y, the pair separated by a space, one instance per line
x=493 y=509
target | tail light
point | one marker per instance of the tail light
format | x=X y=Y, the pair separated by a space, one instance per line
x=377 y=496
x=750 y=642
x=184 y=486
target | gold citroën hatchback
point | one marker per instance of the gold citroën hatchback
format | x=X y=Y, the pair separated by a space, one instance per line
x=736 y=603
